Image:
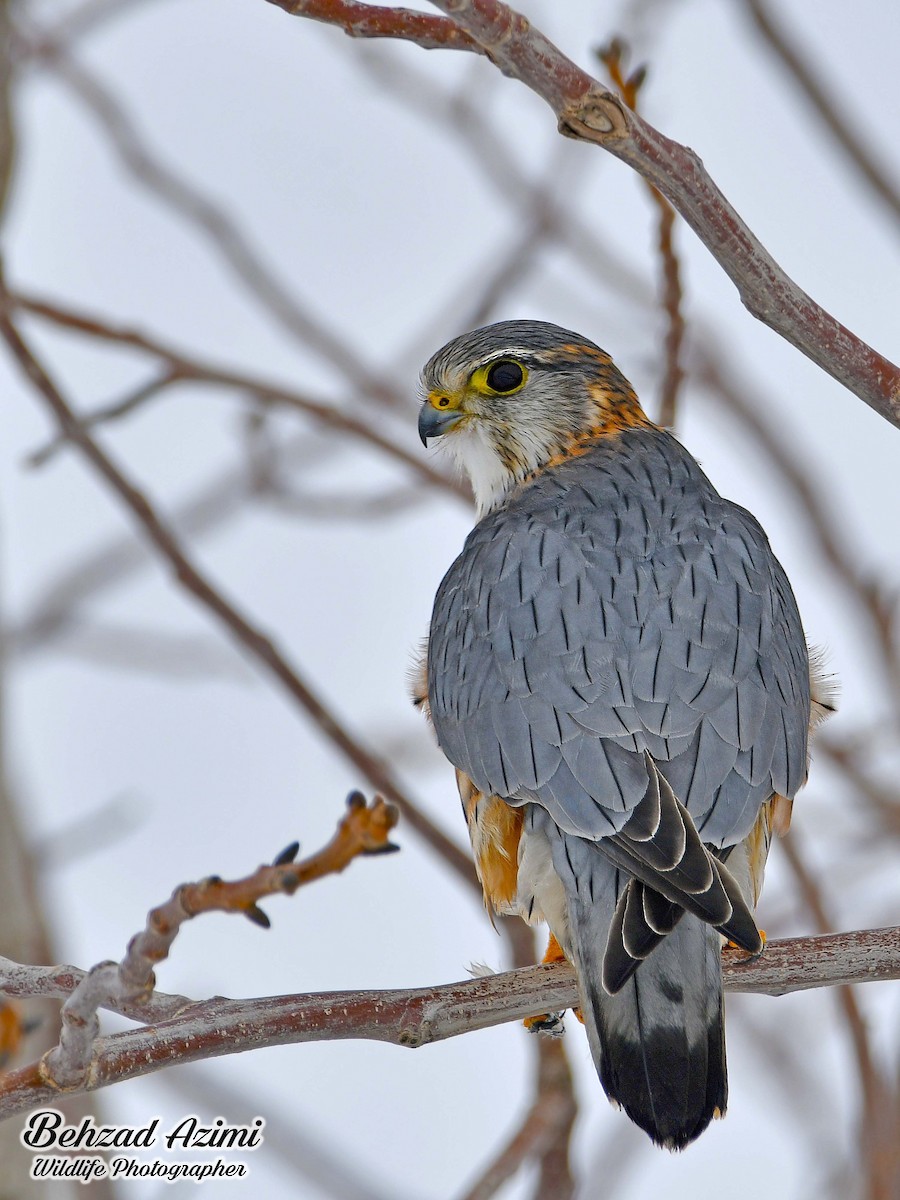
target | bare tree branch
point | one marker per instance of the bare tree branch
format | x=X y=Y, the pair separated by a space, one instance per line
x=59 y=982
x=260 y=646
x=182 y=367
x=589 y=112
x=363 y=830
x=547 y=1123
x=213 y=222
x=418 y=1016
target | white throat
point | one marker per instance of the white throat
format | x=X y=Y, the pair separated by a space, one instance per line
x=474 y=455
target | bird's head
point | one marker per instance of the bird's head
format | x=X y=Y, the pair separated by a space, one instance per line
x=512 y=398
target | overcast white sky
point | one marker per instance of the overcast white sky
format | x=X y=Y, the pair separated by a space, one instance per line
x=375 y=216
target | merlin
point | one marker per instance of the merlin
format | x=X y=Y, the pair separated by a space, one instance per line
x=617 y=670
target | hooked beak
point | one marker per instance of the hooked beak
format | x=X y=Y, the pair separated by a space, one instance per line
x=433 y=422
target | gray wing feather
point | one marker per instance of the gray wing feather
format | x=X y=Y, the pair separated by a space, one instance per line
x=617 y=605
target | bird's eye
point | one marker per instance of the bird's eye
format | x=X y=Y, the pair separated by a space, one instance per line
x=443 y=401
x=505 y=376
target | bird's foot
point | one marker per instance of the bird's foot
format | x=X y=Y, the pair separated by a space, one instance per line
x=550 y=1024
x=735 y=954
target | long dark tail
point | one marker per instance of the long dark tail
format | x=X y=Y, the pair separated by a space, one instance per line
x=658 y=1043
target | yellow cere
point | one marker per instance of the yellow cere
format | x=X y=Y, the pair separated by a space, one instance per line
x=444 y=401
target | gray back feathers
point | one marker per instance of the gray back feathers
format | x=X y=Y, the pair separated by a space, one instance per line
x=617 y=605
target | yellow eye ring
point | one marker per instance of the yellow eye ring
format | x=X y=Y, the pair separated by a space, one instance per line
x=502 y=377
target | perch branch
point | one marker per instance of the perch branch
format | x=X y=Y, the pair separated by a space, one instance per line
x=418 y=1016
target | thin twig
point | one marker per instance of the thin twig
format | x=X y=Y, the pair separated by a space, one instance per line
x=612 y=57
x=371 y=21
x=187 y=368
x=260 y=646
x=364 y=829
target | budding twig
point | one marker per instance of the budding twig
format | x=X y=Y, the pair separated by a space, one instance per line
x=363 y=830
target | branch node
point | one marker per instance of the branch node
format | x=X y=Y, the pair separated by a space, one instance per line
x=598 y=116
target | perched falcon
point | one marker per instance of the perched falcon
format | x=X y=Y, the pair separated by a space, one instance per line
x=617 y=669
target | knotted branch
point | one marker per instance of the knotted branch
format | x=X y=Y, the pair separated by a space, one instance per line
x=588 y=111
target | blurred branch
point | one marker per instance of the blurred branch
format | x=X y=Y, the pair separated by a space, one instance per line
x=513 y=266
x=555 y=1091
x=460 y=115
x=587 y=111
x=363 y=830
x=794 y=1076
x=317 y=1160
x=874 y=602
x=187 y=368
x=418 y=1016
x=260 y=646
x=57 y=610
x=613 y=1160
x=90 y=16
x=115 y=411
x=211 y=220
x=8 y=132
x=845 y=756
x=88 y=833
x=816 y=91
x=152 y=652
x=543 y=1135
x=878 y=1119
x=612 y=57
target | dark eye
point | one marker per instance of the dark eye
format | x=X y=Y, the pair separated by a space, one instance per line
x=505 y=376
